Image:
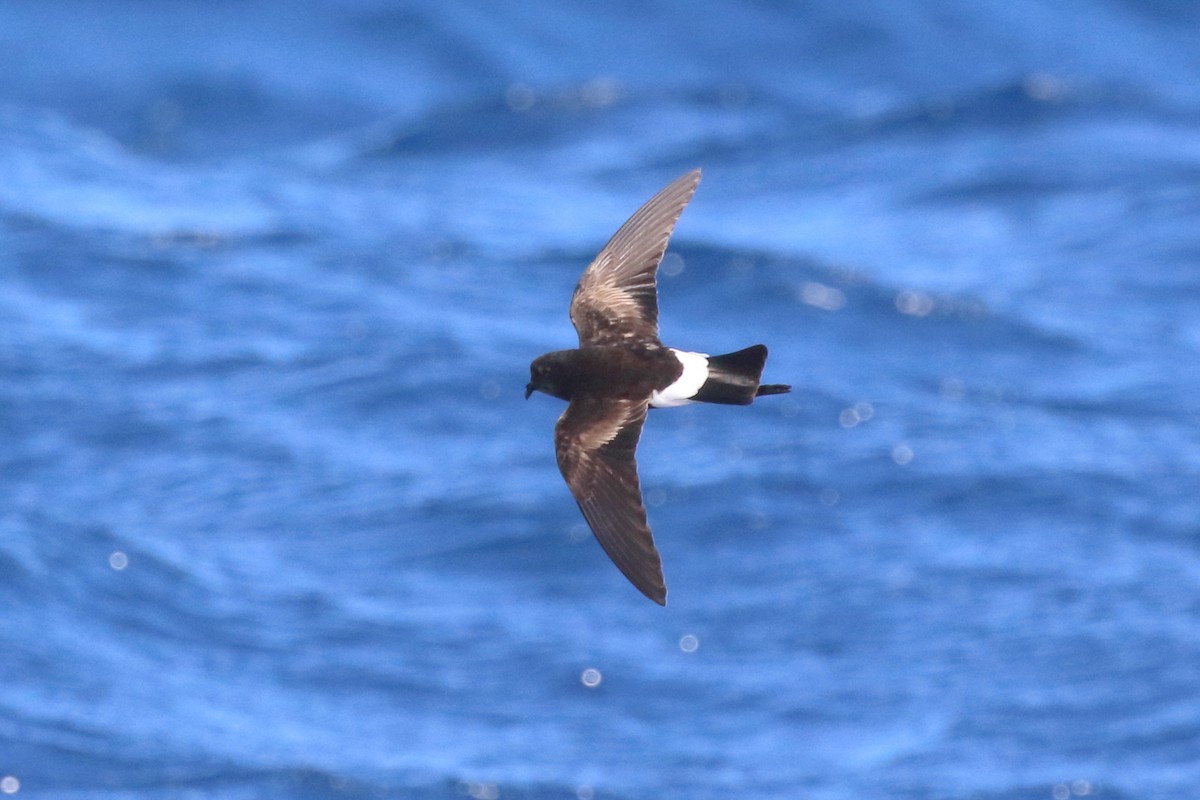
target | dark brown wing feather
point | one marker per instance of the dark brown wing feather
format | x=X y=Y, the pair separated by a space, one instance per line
x=615 y=301
x=595 y=442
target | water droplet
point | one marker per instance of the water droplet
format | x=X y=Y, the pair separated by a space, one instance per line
x=9 y=784
x=902 y=454
x=479 y=790
x=600 y=92
x=1046 y=88
x=915 y=304
x=818 y=295
x=591 y=677
x=671 y=265
x=688 y=643
x=118 y=560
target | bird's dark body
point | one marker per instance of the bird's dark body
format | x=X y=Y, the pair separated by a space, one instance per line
x=619 y=371
x=616 y=372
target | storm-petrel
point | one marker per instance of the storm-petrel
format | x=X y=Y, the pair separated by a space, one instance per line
x=620 y=370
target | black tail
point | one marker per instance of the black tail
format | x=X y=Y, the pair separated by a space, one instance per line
x=733 y=378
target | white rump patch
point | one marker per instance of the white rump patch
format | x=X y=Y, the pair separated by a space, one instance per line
x=681 y=392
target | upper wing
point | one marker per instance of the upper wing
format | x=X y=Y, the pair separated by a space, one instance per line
x=615 y=300
x=595 y=442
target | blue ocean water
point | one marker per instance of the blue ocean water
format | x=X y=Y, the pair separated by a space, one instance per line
x=275 y=520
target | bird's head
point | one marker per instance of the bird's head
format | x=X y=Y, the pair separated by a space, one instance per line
x=550 y=374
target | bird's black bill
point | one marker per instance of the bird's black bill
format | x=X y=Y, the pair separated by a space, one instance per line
x=528 y=390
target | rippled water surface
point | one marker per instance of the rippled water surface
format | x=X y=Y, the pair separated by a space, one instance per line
x=275 y=520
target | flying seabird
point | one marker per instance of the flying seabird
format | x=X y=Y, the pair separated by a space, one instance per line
x=621 y=369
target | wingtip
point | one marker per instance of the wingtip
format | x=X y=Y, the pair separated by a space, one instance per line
x=691 y=179
x=656 y=593
x=654 y=590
